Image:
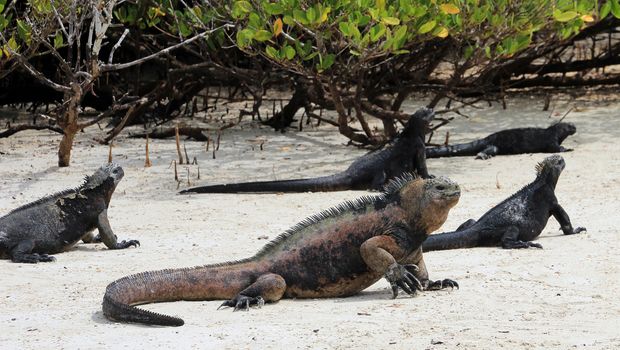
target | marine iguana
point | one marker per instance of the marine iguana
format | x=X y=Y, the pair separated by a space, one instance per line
x=516 y=221
x=511 y=141
x=54 y=223
x=371 y=171
x=335 y=253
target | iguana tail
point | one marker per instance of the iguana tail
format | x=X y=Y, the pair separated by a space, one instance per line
x=461 y=149
x=451 y=240
x=199 y=283
x=337 y=182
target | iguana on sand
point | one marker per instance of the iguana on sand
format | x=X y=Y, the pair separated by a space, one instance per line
x=517 y=220
x=511 y=141
x=372 y=171
x=55 y=223
x=335 y=253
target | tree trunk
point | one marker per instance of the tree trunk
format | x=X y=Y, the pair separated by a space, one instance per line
x=69 y=125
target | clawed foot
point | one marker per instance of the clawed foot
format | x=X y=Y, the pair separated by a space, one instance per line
x=442 y=284
x=482 y=156
x=242 y=302
x=400 y=276
x=127 y=244
x=33 y=258
x=520 y=245
x=577 y=230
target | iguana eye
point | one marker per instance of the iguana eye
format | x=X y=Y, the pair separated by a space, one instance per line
x=440 y=187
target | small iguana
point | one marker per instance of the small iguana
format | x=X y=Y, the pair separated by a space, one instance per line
x=511 y=141
x=517 y=220
x=54 y=223
x=372 y=171
x=335 y=253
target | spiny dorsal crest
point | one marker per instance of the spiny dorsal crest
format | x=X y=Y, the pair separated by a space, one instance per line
x=548 y=162
x=97 y=179
x=396 y=184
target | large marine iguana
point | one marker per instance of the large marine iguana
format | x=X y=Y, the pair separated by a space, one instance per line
x=511 y=141
x=516 y=221
x=370 y=172
x=335 y=253
x=56 y=222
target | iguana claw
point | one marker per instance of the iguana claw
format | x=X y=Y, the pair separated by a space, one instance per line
x=242 y=302
x=400 y=277
x=126 y=244
x=442 y=284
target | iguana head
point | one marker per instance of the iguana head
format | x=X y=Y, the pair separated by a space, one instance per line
x=418 y=122
x=551 y=166
x=108 y=172
x=426 y=202
x=563 y=130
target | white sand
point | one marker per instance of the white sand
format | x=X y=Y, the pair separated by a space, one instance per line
x=561 y=297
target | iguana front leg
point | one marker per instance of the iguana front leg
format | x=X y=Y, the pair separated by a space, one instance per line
x=108 y=237
x=380 y=254
x=560 y=215
x=267 y=288
x=417 y=259
x=510 y=240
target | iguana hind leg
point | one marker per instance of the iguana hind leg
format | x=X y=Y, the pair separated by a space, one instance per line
x=466 y=224
x=267 y=288
x=22 y=253
x=510 y=240
x=488 y=152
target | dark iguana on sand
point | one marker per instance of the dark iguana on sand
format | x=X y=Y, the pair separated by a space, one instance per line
x=336 y=253
x=372 y=171
x=516 y=221
x=55 y=223
x=511 y=141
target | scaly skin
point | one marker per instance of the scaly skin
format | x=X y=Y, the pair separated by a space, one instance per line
x=516 y=221
x=511 y=141
x=55 y=223
x=372 y=171
x=336 y=253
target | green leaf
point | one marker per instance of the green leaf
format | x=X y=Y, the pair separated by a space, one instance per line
x=289 y=52
x=311 y=15
x=271 y=52
x=376 y=32
x=300 y=16
x=262 y=35
x=58 y=40
x=564 y=16
x=427 y=27
x=605 y=9
x=2 y=3
x=392 y=21
x=13 y=44
x=344 y=28
x=244 y=37
x=273 y=8
x=241 y=9
x=615 y=8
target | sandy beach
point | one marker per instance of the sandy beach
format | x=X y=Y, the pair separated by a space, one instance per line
x=563 y=296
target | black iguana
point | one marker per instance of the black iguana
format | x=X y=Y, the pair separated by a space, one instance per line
x=370 y=172
x=56 y=222
x=511 y=141
x=335 y=253
x=516 y=221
